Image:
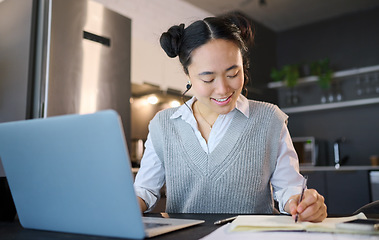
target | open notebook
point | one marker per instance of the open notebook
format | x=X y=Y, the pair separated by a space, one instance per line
x=260 y=223
x=72 y=174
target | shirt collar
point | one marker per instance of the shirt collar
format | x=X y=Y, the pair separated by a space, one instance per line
x=243 y=105
x=185 y=111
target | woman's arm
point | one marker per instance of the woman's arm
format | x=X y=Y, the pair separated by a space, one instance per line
x=286 y=179
x=287 y=183
x=150 y=178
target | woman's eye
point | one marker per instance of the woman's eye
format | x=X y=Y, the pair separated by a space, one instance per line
x=233 y=76
x=207 y=81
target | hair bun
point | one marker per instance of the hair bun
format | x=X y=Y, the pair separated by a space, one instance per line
x=170 y=41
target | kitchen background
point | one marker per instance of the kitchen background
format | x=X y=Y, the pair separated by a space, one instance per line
x=350 y=42
x=345 y=32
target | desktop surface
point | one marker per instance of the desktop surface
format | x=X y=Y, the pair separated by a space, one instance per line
x=14 y=231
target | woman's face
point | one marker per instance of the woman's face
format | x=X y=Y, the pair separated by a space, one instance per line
x=217 y=77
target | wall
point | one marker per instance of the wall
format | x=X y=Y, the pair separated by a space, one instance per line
x=149 y=20
x=263 y=58
x=349 y=41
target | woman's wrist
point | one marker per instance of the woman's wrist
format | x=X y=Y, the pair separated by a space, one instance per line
x=286 y=206
x=142 y=204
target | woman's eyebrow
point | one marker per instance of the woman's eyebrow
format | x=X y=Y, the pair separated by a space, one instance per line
x=230 y=68
x=210 y=73
x=205 y=73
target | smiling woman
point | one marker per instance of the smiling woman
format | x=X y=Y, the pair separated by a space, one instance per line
x=221 y=153
x=217 y=77
x=216 y=74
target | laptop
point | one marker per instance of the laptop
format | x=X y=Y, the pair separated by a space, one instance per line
x=72 y=173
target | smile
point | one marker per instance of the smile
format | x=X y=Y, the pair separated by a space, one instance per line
x=222 y=101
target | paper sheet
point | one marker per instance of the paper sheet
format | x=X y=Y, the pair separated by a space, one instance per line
x=223 y=233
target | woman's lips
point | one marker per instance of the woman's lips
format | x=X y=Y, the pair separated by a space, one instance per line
x=222 y=101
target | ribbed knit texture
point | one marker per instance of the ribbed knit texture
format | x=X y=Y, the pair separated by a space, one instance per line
x=235 y=177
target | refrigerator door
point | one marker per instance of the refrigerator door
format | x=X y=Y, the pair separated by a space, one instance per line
x=86 y=65
x=16 y=29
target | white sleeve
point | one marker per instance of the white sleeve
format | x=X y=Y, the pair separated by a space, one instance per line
x=286 y=179
x=150 y=177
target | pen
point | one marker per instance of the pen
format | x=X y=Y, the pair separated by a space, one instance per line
x=223 y=221
x=301 y=195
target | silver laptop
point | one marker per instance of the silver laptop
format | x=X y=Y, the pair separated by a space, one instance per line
x=72 y=174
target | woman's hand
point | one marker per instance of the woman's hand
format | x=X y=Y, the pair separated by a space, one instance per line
x=312 y=208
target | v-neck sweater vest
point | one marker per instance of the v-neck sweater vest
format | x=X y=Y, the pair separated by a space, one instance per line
x=235 y=177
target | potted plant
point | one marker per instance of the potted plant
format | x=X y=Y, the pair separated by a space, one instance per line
x=322 y=70
x=277 y=74
x=289 y=74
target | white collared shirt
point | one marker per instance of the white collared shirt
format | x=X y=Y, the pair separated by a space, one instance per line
x=286 y=180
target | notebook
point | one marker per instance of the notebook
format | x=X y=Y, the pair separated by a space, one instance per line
x=263 y=223
x=72 y=174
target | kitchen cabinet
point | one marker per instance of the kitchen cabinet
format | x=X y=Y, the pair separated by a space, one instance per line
x=152 y=66
x=345 y=190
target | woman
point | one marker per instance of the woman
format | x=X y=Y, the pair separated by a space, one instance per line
x=220 y=152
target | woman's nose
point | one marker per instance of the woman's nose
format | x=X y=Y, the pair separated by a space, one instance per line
x=222 y=86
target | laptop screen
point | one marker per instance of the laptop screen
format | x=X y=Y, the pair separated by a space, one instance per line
x=72 y=173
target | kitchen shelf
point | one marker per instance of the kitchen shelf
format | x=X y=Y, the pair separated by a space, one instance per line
x=325 y=106
x=339 y=74
x=342 y=75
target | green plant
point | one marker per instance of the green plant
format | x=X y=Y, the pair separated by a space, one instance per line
x=288 y=73
x=277 y=75
x=322 y=70
x=291 y=73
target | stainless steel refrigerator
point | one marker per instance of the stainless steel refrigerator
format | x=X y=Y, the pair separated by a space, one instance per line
x=63 y=57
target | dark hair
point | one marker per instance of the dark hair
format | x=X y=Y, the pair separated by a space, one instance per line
x=180 y=41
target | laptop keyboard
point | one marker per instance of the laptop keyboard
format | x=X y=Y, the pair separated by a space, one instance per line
x=154 y=225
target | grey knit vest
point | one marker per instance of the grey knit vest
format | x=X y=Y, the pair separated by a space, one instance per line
x=235 y=177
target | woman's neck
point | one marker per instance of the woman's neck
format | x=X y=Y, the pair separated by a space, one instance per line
x=205 y=120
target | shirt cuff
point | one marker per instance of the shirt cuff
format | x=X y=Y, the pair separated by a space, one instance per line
x=149 y=198
x=283 y=195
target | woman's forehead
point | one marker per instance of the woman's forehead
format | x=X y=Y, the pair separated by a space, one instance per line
x=217 y=54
